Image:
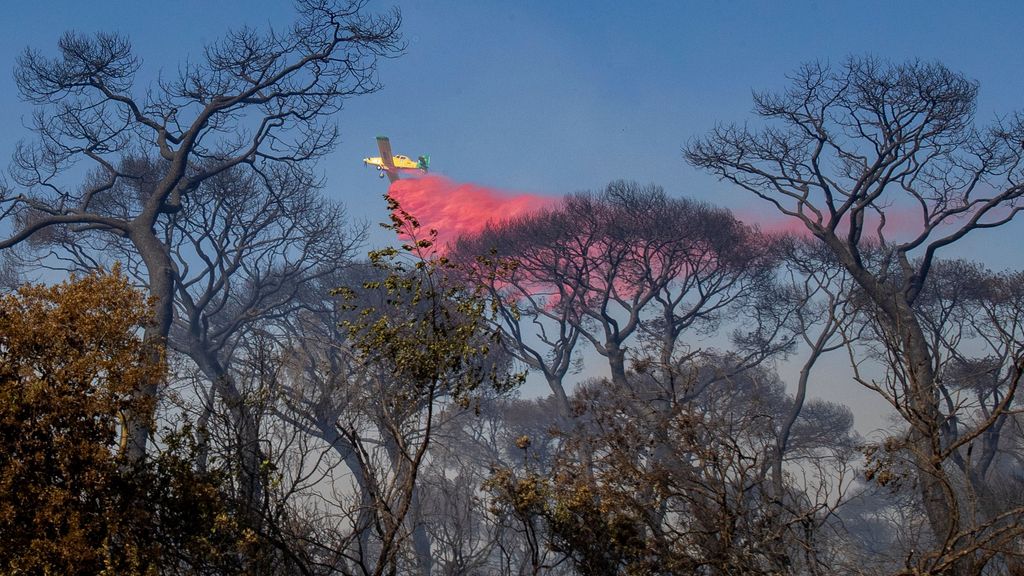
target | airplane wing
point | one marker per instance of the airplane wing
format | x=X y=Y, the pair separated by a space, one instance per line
x=384 y=145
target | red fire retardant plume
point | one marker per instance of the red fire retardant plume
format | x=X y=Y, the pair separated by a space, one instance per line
x=901 y=223
x=455 y=209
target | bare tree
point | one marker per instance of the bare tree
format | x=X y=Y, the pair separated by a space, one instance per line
x=593 y=267
x=535 y=283
x=622 y=264
x=818 y=292
x=972 y=320
x=254 y=100
x=243 y=247
x=850 y=152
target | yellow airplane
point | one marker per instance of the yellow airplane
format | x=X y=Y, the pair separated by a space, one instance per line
x=389 y=164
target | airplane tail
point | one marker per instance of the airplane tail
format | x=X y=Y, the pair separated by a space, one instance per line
x=423 y=163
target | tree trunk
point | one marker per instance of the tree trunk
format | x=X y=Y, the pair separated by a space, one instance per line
x=248 y=454
x=405 y=474
x=617 y=365
x=367 y=510
x=925 y=441
x=421 y=543
x=161 y=287
x=897 y=316
x=921 y=410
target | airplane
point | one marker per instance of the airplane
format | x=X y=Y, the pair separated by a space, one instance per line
x=389 y=164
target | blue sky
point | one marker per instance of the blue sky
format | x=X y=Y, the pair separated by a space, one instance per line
x=552 y=97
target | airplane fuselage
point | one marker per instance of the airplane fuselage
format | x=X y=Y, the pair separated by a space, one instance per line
x=399 y=161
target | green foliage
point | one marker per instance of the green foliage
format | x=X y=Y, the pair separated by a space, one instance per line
x=430 y=331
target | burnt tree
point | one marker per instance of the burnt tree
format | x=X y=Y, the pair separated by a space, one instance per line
x=252 y=101
x=884 y=165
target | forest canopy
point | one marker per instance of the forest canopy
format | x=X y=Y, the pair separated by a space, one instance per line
x=216 y=380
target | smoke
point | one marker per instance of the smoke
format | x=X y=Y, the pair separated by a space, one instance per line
x=456 y=209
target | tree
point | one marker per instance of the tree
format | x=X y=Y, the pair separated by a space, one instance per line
x=883 y=164
x=253 y=102
x=533 y=279
x=609 y=266
x=366 y=378
x=469 y=536
x=816 y=301
x=705 y=506
x=428 y=341
x=69 y=364
x=71 y=360
x=243 y=247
